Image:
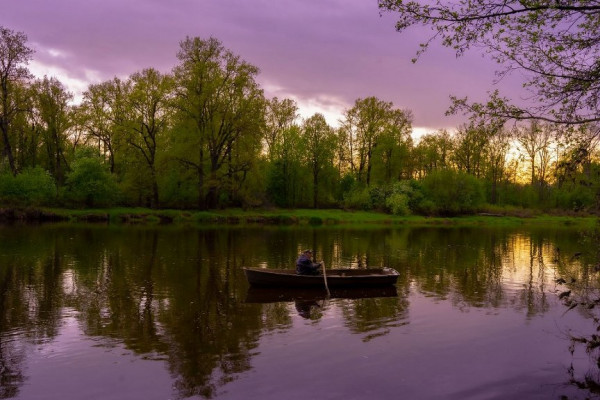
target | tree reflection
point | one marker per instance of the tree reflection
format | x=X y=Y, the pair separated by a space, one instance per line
x=577 y=286
x=375 y=317
x=179 y=294
x=197 y=321
x=28 y=307
x=470 y=266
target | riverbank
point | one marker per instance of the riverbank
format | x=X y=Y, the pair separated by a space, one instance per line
x=279 y=217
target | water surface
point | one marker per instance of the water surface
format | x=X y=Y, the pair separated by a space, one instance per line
x=105 y=312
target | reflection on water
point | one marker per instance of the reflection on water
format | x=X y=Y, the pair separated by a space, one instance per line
x=167 y=312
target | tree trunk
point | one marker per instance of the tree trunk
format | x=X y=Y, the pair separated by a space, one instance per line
x=155 y=198
x=7 y=149
x=315 y=189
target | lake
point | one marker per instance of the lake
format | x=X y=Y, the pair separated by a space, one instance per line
x=140 y=312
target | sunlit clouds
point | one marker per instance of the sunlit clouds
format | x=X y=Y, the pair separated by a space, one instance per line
x=323 y=54
x=77 y=86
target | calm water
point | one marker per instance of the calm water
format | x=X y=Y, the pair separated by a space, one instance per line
x=102 y=312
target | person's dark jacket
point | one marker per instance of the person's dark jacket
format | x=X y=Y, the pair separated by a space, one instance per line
x=305 y=266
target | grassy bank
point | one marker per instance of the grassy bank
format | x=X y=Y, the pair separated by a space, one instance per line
x=279 y=217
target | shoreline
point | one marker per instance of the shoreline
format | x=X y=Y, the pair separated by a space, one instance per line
x=277 y=217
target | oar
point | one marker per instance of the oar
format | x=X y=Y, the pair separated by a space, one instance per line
x=325 y=278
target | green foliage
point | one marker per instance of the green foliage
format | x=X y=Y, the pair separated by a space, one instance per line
x=577 y=198
x=32 y=187
x=177 y=188
x=89 y=182
x=224 y=107
x=346 y=184
x=277 y=185
x=398 y=203
x=414 y=190
x=452 y=193
x=378 y=195
x=367 y=198
x=136 y=185
x=529 y=196
x=252 y=193
x=378 y=132
x=358 y=198
x=51 y=99
x=205 y=137
x=319 y=141
x=14 y=56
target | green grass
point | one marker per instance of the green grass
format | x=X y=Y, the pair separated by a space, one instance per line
x=307 y=217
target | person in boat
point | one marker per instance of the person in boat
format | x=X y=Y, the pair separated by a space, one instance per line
x=305 y=264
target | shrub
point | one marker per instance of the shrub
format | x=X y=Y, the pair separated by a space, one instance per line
x=378 y=195
x=575 y=198
x=399 y=200
x=277 y=185
x=453 y=192
x=90 y=183
x=32 y=187
x=397 y=203
x=347 y=184
x=178 y=189
x=358 y=199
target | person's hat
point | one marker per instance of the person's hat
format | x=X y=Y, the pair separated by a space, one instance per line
x=307 y=251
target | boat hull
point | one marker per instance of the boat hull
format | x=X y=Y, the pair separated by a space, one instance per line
x=336 y=278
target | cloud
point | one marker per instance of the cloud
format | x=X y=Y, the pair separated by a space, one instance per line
x=76 y=85
x=323 y=53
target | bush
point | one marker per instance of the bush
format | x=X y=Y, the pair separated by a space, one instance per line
x=378 y=195
x=90 y=183
x=401 y=199
x=452 y=192
x=576 y=198
x=178 y=189
x=397 y=203
x=277 y=185
x=32 y=187
x=358 y=199
x=347 y=184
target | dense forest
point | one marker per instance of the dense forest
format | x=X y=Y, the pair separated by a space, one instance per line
x=204 y=136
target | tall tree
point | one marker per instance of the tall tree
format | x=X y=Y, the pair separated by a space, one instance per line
x=394 y=146
x=25 y=135
x=284 y=186
x=14 y=56
x=555 y=43
x=148 y=116
x=497 y=150
x=469 y=151
x=217 y=92
x=535 y=141
x=103 y=115
x=366 y=122
x=432 y=152
x=54 y=118
x=342 y=151
x=280 y=115
x=576 y=159
x=319 y=146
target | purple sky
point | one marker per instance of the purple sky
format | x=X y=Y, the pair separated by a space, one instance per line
x=322 y=53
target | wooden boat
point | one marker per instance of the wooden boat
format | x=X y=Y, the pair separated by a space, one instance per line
x=256 y=294
x=335 y=278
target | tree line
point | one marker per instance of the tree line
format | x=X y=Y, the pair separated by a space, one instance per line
x=204 y=136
